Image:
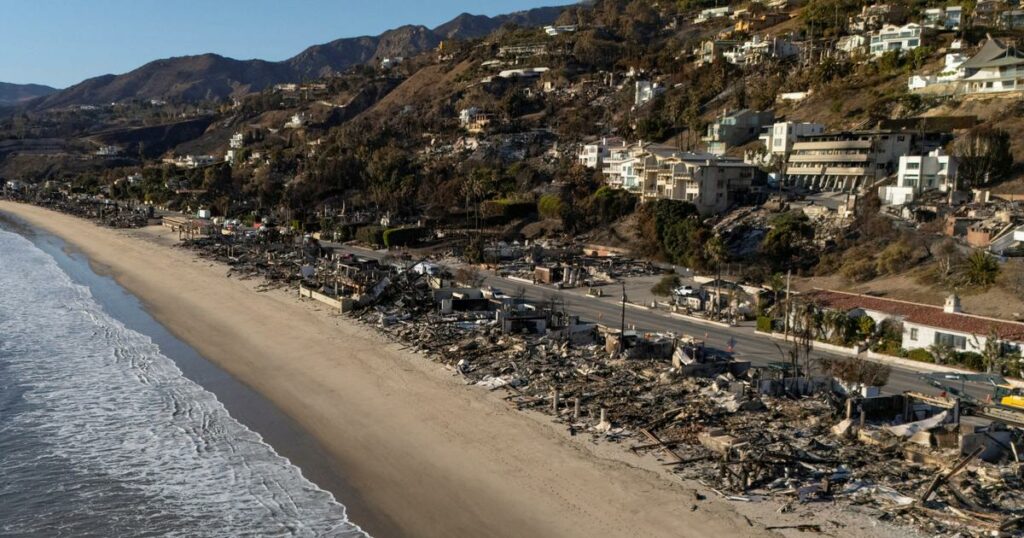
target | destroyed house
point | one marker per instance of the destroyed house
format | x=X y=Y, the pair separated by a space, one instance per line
x=925 y=325
x=518 y=318
x=463 y=300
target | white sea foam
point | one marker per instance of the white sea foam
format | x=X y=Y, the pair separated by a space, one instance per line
x=102 y=435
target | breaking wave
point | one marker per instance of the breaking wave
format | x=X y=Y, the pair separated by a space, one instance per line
x=102 y=435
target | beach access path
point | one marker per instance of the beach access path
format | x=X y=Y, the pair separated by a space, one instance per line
x=426 y=454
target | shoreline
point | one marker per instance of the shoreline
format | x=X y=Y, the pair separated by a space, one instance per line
x=424 y=451
x=252 y=409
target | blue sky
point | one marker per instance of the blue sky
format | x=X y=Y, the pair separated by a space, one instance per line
x=62 y=42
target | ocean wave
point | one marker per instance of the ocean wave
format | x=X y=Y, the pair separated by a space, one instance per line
x=102 y=435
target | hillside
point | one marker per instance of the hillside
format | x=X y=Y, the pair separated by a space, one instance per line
x=13 y=94
x=211 y=76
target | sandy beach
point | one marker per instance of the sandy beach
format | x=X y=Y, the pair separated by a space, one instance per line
x=426 y=454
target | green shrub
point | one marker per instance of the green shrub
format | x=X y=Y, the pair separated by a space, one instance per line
x=507 y=209
x=921 y=355
x=764 y=324
x=402 y=237
x=970 y=360
x=550 y=206
x=665 y=286
x=865 y=326
x=372 y=235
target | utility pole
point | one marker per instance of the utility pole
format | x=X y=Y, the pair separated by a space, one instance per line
x=622 y=324
x=785 y=318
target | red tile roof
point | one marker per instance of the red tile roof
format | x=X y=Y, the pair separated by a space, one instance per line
x=921 y=314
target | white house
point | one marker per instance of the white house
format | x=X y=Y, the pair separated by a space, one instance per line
x=759 y=49
x=895 y=38
x=778 y=139
x=852 y=44
x=558 y=30
x=620 y=167
x=952 y=71
x=388 y=63
x=926 y=325
x=297 y=121
x=237 y=140
x=918 y=174
x=646 y=91
x=713 y=13
x=995 y=68
x=592 y=155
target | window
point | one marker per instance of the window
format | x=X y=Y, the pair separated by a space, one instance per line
x=952 y=340
x=913 y=165
x=913 y=334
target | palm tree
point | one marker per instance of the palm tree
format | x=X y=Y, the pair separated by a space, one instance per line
x=777 y=284
x=714 y=251
x=836 y=322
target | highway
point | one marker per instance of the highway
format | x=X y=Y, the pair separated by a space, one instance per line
x=747 y=345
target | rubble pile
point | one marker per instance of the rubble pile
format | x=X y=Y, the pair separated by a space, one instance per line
x=105 y=212
x=279 y=263
x=747 y=433
x=740 y=436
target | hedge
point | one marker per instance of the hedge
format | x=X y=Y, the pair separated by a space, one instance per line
x=401 y=237
x=920 y=355
x=507 y=209
x=764 y=324
x=373 y=235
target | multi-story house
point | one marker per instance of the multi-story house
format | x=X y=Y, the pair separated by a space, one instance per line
x=995 y=68
x=712 y=49
x=779 y=138
x=711 y=183
x=656 y=171
x=895 y=38
x=736 y=129
x=845 y=161
x=873 y=17
x=760 y=49
x=943 y=18
x=920 y=173
x=852 y=44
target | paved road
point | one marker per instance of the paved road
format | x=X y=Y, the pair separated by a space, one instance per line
x=747 y=345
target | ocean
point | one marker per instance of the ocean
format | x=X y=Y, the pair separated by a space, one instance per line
x=101 y=433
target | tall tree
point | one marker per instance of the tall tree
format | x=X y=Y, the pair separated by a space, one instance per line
x=984 y=155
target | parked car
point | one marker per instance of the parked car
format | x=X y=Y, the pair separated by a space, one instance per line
x=683 y=291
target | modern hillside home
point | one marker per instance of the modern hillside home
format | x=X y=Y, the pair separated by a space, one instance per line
x=920 y=173
x=995 y=68
x=895 y=38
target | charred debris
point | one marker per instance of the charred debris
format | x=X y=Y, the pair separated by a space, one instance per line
x=746 y=433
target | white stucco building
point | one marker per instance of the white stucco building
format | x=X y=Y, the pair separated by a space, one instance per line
x=920 y=173
x=895 y=38
x=926 y=325
x=778 y=138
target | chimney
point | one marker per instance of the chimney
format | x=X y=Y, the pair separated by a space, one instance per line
x=952 y=304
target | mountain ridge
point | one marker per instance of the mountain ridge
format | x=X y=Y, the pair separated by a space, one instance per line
x=13 y=94
x=212 y=76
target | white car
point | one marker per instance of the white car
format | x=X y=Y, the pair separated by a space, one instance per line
x=683 y=291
